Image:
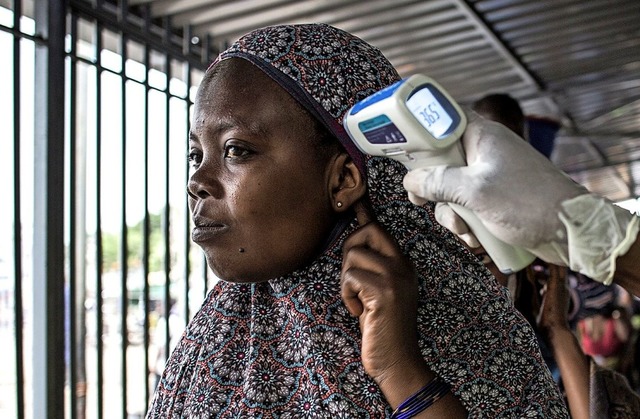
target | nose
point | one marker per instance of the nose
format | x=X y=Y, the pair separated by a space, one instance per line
x=194 y=191
x=202 y=185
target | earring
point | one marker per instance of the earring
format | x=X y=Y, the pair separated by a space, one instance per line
x=339 y=204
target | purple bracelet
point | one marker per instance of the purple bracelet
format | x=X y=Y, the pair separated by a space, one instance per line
x=421 y=400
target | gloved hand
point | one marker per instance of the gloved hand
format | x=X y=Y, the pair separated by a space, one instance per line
x=526 y=201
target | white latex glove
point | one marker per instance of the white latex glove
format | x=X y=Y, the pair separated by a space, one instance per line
x=524 y=200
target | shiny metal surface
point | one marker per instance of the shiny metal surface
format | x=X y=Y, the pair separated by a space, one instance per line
x=574 y=61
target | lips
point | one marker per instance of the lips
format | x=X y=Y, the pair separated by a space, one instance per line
x=206 y=229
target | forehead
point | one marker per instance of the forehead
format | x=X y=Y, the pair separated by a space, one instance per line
x=236 y=83
x=234 y=79
x=237 y=94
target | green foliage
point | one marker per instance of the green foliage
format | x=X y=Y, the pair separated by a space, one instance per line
x=135 y=235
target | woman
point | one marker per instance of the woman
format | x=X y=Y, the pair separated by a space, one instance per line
x=323 y=312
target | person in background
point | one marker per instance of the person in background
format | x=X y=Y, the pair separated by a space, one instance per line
x=564 y=353
x=603 y=325
x=338 y=296
x=592 y=391
x=502 y=108
x=524 y=286
x=629 y=364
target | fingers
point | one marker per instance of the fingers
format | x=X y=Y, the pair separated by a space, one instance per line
x=360 y=269
x=442 y=183
x=379 y=287
x=447 y=183
x=349 y=292
x=370 y=279
x=371 y=236
x=416 y=199
x=359 y=286
x=370 y=254
x=436 y=183
x=364 y=213
x=448 y=218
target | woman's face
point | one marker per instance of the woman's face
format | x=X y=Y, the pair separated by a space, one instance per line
x=258 y=188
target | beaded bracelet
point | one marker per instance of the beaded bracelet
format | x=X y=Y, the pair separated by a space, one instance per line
x=421 y=400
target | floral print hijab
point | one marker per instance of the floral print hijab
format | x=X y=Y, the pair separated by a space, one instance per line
x=288 y=347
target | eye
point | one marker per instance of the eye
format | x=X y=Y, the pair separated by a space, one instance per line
x=235 y=151
x=194 y=157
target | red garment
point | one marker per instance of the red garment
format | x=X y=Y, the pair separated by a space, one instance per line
x=609 y=343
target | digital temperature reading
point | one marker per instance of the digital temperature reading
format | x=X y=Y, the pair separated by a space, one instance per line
x=429 y=112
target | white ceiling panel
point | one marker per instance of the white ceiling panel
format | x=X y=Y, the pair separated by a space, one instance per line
x=576 y=62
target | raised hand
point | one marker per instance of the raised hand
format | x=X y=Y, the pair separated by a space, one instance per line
x=380 y=287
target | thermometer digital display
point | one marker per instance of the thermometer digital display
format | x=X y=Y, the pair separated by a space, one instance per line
x=430 y=112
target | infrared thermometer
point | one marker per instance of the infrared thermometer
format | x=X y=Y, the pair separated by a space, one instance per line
x=416 y=122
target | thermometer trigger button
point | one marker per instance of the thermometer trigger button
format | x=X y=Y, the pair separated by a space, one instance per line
x=389 y=152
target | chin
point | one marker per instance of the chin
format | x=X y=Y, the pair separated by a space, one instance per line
x=244 y=268
x=220 y=270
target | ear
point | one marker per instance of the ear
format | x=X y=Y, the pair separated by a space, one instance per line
x=346 y=183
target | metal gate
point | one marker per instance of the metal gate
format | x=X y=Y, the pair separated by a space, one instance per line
x=96 y=261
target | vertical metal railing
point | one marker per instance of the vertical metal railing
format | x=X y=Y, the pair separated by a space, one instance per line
x=75 y=176
x=124 y=228
x=163 y=53
x=186 y=49
x=17 y=219
x=73 y=312
x=48 y=257
x=167 y=226
x=99 y=321
x=146 y=225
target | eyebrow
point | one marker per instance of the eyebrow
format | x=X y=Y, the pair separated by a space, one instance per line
x=255 y=129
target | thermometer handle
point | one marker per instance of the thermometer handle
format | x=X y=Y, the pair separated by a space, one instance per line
x=508 y=258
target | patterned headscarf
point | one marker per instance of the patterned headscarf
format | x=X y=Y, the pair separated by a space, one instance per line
x=288 y=347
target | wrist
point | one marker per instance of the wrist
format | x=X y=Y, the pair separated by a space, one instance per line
x=404 y=379
x=627 y=273
x=594 y=233
x=420 y=401
x=597 y=233
x=401 y=387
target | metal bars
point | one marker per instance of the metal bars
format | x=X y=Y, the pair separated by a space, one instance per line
x=17 y=223
x=95 y=316
x=98 y=233
x=48 y=221
x=154 y=297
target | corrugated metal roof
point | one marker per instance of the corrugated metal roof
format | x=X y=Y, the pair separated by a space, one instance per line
x=575 y=61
